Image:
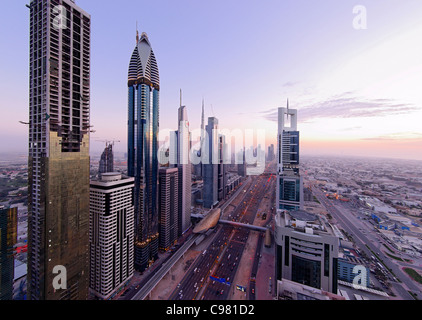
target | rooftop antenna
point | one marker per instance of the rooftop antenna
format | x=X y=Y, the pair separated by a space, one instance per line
x=287 y=108
x=180 y=97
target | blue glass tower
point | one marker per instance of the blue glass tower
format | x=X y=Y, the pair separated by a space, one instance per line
x=210 y=164
x=143 y=112
x=289 y=182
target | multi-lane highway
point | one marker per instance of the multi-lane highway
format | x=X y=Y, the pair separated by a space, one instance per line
x=210 y=276
x=362 y=242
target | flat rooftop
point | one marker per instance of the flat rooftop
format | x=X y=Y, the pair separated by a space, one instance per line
x=303 y=221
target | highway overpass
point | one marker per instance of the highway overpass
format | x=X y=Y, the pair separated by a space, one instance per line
x=162 y=271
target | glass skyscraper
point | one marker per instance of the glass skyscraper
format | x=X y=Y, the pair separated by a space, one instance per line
x=210 y=164
x=58 y=157
x=143 y=105
x=289 y=182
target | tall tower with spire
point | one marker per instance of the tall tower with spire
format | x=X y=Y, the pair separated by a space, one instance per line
x=289 y=182
x=202 y=117
x=143 y=113
x=185 y=169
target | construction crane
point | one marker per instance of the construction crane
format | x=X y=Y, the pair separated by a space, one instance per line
x=92 y=130
x=108 y=142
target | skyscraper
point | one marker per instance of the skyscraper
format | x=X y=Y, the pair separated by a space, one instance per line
x=241 y=166
x=168 y=206
x=210 y=164
x=199 y=167
x=111 y=235
x=58 y=160
x=221 y=167
x=107 y=160
x=203 y=143
x=185 y=170
x=8 y=238
x=289 y=182
x=143 y=93
x=271 y=154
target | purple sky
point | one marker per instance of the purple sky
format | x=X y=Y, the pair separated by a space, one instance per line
x=245 y=58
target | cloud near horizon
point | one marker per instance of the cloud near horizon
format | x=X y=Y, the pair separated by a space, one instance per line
x=397 y=136
x=346 y=106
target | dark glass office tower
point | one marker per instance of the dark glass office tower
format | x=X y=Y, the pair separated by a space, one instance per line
x=58 y=159
x=143 y=95
x=8 y=238
x=210 y=164
x=168 y=206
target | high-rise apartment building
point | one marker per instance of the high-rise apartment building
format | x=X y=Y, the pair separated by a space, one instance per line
x=168 y=207
x=58 y=160
x=111 y=233
x=107 y=160
x=8 y=238
x=306 y=250
x=185 y=170
x=289 y=182
x=210 y=165
x=143 y=104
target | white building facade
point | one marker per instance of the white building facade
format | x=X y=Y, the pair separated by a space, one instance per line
x=111 y=234
x=306 y=250
x=185 y=171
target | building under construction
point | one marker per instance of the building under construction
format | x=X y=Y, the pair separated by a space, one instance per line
x=107 y=160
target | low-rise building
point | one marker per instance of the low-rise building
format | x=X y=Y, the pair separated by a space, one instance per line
x=306 y=250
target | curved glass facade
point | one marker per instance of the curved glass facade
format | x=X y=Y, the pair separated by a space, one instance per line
x=143 y=125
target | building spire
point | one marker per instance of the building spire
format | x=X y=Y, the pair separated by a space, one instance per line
x=180 y=97
x=137 y=33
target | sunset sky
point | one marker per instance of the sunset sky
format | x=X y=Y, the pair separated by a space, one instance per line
x=357 y=92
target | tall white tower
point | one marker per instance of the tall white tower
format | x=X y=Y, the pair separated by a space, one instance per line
x=289 y=182
x=185 y=169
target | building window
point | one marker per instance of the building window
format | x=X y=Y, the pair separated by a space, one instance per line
x=286 y=251
x=307 y=272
